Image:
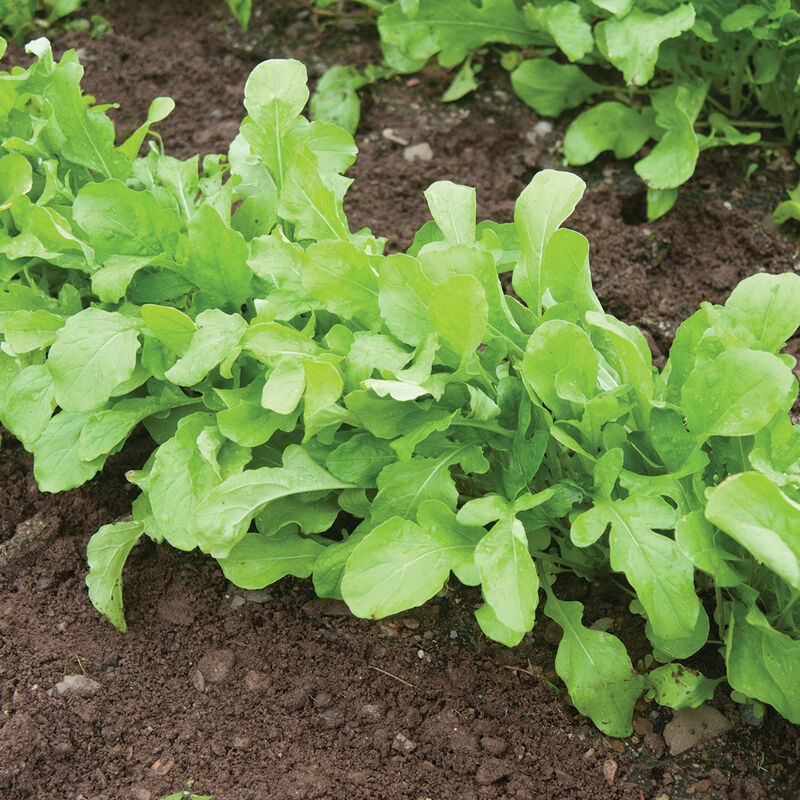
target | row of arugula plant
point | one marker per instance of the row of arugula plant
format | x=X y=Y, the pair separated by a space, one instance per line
x=289 y=371
x=19 y=18
x=687 y=76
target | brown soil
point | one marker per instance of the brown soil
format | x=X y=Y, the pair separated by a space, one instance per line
x=276 y=694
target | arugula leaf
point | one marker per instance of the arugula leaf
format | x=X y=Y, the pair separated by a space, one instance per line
x=509 y=580
x=597 y=670
x=93 y=353
x=107 y=552
x=763 y=662
x=753 y=511
x=256 y=561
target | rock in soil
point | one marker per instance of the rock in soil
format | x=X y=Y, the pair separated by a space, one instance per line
x=690 y=726
x=216 y=665
x=77 y=684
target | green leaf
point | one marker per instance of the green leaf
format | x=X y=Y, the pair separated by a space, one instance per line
x=450 y=28
x=56 y=465
x=335 y=99
x=106 y=429
x=561 y=365
x=672 y=161
x=25 y=331
x=170 y=326
x=275 y=94
x=453 y=208
x=661 y=576
x=463 y=83
x=396 y=566
x=16 y=178
x=106 y=553
x=159 y=110
x=679 y=687
x=735 y=394
x=703 y=545
x=403 y=296
x=93 y=353
x=224 y=515
x=494 y=629
x=631 y=43
x=340 y=276
x=565 y=22
x=257 y=561
x=309 y=203
x=544 y=204
x=82 y=135
x=360 y=458
x=460 y=333
x=119 y=221
x=241 y=11
x=30 y=404
x=508 y=576
x=659 y=201
x=753 y=511
x=284 y=387
x=762 y=662
x=271 y=341
x=608 y=126
x=216 y=260
x=763 y=310
x=402 y=487
x=596 y=669
x=550 y=88
x=565 y=264
x=216 y=341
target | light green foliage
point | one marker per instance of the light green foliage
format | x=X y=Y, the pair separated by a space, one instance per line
x=288 y=370
x=20 y=17
x=678 y=687
x=681 y=74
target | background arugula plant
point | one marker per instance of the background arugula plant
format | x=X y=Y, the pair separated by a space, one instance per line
x=289 y=371
x=19 y=18
x=687 y=76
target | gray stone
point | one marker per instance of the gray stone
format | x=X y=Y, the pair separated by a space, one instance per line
x=418 y=152
x=403 y=744
x=77 y=684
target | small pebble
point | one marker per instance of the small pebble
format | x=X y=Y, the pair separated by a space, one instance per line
x=411 y=623
x=255 y=681
x=403 y=744
x=454 y=634
x=390 y=135
x=257 y=596
x=241 y=742
x=198 y=681
x=162 y=766
x=77 y=684
x=418 y=152
x=323 y=700
x=238 y=601
x=140 y=793
x=371 y=711
x=610 y=769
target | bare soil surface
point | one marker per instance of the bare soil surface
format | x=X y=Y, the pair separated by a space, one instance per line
x=276 y=694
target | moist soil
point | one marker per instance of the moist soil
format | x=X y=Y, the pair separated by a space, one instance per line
x=277 y=694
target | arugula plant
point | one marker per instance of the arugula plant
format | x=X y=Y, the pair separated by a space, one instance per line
x=288 y=370
x=686 y=76
x=18 y=18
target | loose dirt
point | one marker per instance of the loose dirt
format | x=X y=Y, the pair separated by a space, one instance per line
x=276 y=694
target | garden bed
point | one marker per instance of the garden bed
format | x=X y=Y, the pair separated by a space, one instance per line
x=276 y=694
